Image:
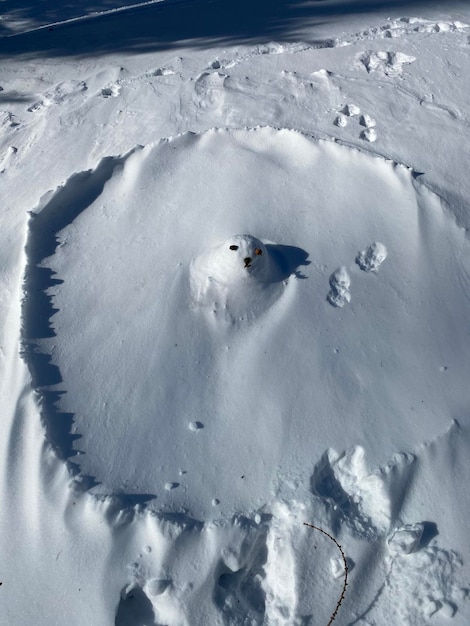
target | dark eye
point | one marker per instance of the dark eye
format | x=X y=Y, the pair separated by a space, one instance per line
x=258 y=251
x=233 y=247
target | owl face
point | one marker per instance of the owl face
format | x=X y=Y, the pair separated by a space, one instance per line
x=236 y=280
x=246 y=253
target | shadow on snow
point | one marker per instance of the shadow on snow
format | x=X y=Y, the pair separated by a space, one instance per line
x=188 y=23
x=59 y=209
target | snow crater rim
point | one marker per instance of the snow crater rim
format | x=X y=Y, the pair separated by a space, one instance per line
x=254 y=287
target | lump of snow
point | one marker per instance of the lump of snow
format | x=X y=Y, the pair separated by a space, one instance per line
x=351 y=109
x=238 y=277
x=337 y=567
x=370 y=134
x=171 y=486
x=234 y=260
x=406 y=539
x=370 y=259
x=388 y=63
x=367 y=121
x=339 y=294
x=341 y=121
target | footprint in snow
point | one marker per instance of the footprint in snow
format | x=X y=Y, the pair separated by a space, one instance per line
x=8 y=119
x=163 y=71
x=406 y=539
x=341 y=121
x=367 y=121
x=222 y=64
x=339 y=294
x=369 y=134
x=171 y=486
x=350 y=110
x=37 y=106
x=385 y=62
x=60 y=93
x=370 y=259
x=111 y=91
x=355 y=496
x=7 y=158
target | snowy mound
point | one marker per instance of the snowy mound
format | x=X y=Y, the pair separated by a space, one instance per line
x=302 y=333
x=239 y=278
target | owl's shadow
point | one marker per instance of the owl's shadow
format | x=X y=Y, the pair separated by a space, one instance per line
x=288 y=260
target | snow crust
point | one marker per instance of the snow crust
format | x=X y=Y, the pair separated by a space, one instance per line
x=234 y=293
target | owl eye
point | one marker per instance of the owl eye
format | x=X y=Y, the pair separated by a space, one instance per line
x=233 y=247
x=258 y=251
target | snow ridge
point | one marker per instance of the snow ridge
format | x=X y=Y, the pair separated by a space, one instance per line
x=56 y=210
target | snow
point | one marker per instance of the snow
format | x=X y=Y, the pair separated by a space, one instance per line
x=234 y=293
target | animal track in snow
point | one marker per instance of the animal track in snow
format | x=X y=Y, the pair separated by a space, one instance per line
x=414 y=567
x=163 y=71
x=350 y=110
x=171 y=486
x=339 y=294
x=280 y=582
x=111 y=91
x=388 y=63
x=370 y=134
x=341 y=121
x=239 y=589
x=404 y=26
x=367 y=121
x=223 y=64
x=408 y=25
x=208 y=80
x=425 y=582
x=358 y=497
x=7 y=158
x=370 y=259
x=60 y=93
x=271 y=48
x=8 y=119
x=406 y=539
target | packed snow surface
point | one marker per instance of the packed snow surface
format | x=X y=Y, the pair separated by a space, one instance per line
x=234 y=293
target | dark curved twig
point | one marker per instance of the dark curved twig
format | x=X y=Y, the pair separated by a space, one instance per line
x=343 y=556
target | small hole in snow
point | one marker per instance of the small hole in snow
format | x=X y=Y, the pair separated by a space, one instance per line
x=234 y=247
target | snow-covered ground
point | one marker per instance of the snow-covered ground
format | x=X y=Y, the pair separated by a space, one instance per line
x=235 y=300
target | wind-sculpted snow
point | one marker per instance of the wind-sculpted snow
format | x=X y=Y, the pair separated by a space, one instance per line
x=56 y=211
x=178 y=384
x=234 y=333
